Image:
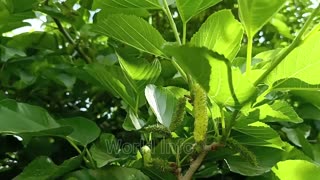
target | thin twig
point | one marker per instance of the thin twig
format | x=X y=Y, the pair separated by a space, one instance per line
x=73 y=42
x=194 y=166
x=294 y=44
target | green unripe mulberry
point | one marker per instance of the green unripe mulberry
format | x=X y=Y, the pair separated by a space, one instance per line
x=177 y=117
x=244 y=151
x=200 y=113
x=158 y=129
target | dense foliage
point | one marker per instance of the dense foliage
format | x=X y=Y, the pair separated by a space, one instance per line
x=160 y=89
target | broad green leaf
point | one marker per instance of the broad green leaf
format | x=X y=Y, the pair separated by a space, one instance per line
x=296 y=170
x=256 y=134
x=190 y=8
x=267 y=157
x=84 y=130
x=44 y=168
x=37 y=40
x=302 y=63
x=279 y=111
x=212 y=72
x=112 y=172
x=256 y=13
x=143 y=4
x=298 y=136
x=141 y=71
x=113 y=79
x=133 y=122
x=133 y=31
x=13 y=12
x=105 y=150
x=221 y=33
x=17 y=118
x=162 y=103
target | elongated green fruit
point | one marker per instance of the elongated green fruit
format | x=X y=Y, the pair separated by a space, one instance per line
x=200 y=113
x=177 y=117
x=244 y=151
x=158 y=129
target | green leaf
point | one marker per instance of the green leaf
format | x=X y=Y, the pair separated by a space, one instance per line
x=13 y=12
x=143 y=4
x=43 y=168
x=312 y=97
x=84 y=130
x=190 y=8
x=279 y=23
x=162 y=103
x=296 y=170
x=298 y=136
x=133 y=31
x=104 y=150
x=112 y=172
x=37 y=40
x=278 y=111
x=113 y=79
x=212 y=72
x=302 y=63
x=141 y=71
x=17 y=118
x=256 y=134
x=256 y=13
x=133 y=122
x=267 y=157
x=220 y=33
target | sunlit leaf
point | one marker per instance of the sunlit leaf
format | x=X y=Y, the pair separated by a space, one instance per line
x=302 y=63
x=256 y=13
x=133 y=31
x=212 y=72
x=256 y=134
x=162 y=103
x=296 y=170
x=190 y=8
x=141 y=71
x=220 y=33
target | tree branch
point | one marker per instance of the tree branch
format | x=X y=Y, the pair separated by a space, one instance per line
x=194 y=166
x=70 y=40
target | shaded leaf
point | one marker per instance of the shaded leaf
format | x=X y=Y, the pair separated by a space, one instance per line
x=267 y=157
x=112 y=172
x=113 y=79
x=17 y=118
x=84 y=130
x=105 y=150
x=43 y=168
